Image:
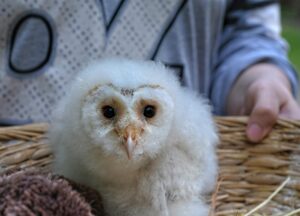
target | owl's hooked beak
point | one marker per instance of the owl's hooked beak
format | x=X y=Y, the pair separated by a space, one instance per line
x=130 y=137
x=129 y=146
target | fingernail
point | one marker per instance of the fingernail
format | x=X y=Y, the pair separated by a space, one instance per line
x=255 y=132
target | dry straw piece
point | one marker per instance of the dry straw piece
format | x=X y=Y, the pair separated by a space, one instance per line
x=249 y=173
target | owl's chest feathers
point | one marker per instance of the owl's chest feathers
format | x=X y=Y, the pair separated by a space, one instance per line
x=170 y=171
x=132 y=187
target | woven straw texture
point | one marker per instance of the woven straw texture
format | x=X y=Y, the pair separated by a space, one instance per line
x=248 y=173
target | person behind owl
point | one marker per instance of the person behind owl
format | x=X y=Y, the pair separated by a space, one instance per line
x=230 y=51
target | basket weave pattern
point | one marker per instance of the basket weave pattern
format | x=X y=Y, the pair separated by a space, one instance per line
x=248 y=173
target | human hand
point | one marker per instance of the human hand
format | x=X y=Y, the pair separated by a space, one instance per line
x=264 y=93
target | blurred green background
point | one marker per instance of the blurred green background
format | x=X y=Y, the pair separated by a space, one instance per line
x=290 y=12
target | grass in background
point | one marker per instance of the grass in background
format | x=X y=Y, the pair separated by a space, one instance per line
x=292 y=34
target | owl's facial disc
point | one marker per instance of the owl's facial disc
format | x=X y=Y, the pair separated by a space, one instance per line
x=126 y=123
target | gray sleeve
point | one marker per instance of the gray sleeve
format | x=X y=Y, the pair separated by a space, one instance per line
x=251 y=34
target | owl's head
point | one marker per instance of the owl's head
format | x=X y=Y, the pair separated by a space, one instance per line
x=126 y=108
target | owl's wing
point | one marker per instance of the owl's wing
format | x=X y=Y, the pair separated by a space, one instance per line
x=195 y=135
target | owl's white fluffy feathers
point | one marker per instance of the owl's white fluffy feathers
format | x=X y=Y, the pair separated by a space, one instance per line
x=156 y=161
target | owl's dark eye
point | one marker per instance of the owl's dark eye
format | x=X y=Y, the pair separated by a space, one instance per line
x=108 y=112
x=149 y=111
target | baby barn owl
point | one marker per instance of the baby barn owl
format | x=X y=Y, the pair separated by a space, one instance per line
x=128 y=129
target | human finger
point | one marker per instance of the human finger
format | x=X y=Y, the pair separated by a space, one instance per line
x=263 y=108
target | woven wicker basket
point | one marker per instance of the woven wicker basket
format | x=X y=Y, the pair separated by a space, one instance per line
x=248 y=173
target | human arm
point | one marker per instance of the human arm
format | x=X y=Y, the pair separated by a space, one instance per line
x=252 y=56
x=264 y=93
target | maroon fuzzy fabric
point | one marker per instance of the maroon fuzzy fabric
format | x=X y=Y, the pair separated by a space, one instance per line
x=30 y=193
